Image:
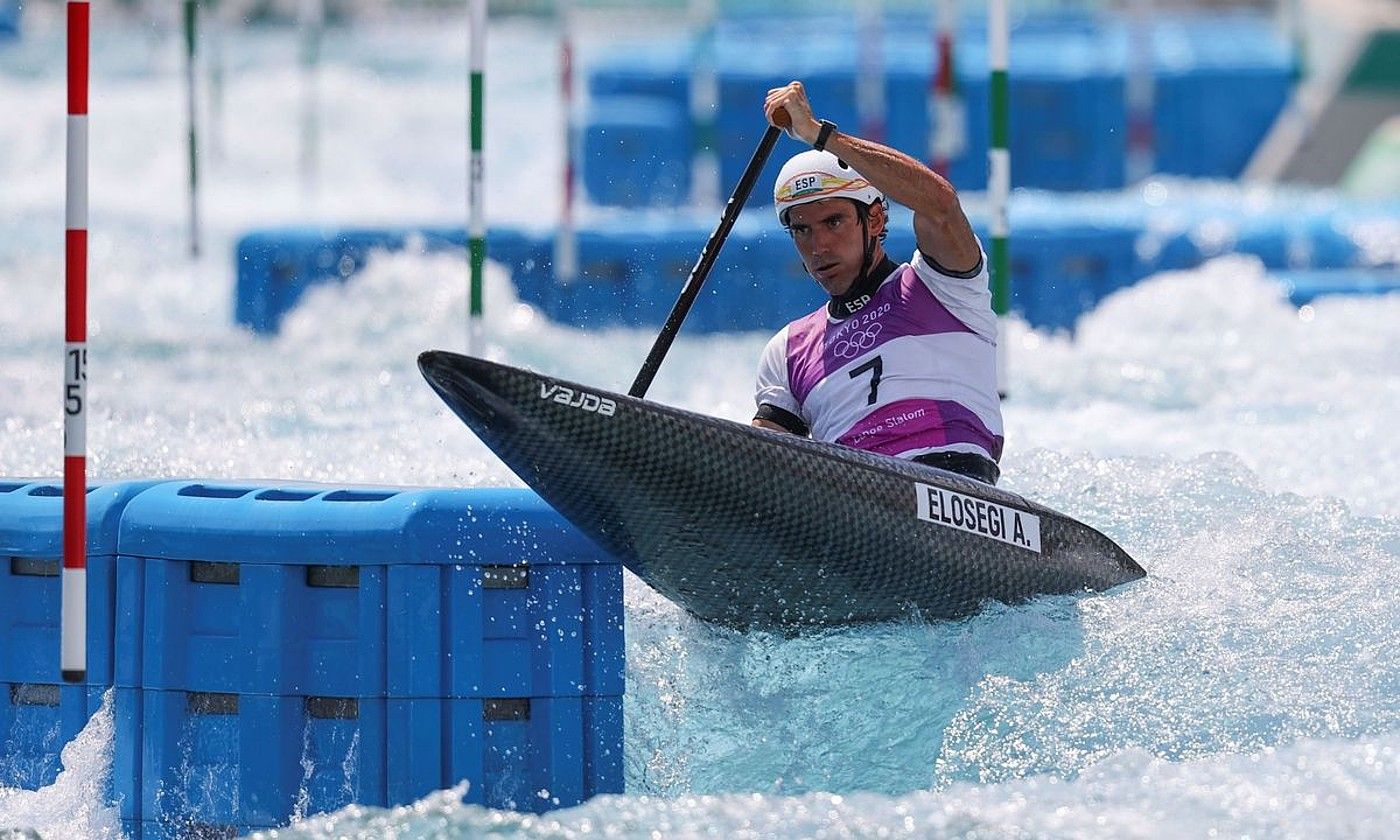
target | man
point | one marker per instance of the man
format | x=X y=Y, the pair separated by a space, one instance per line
x=902 y=359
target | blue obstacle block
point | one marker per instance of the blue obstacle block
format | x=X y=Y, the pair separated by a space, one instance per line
x=1283 y=238
x=31 y=553
x=1060 y=272
x=9 y=19
x=655 y=70
x=38 y=714
x=276 y=267
x=612 y=257
x=661 y=253
x=1221 y=81
x=303 y=589
x=1304 y=287
x=36 y=721
x=636 y=152
x=231 y=763
x=528 y=254
x=631 y=271
x=1332 y=247
x=1208 y=122
x=1067 y=111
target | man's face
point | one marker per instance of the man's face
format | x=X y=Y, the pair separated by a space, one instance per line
x=827 y=234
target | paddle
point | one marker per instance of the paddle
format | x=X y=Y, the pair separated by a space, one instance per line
x=691 y=289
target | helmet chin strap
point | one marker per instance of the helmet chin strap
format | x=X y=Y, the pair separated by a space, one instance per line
x=868 y=257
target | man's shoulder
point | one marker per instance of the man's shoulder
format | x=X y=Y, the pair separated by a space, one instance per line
x=802 y=329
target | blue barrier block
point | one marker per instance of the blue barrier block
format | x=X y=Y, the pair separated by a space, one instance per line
x=1208 y=122
x=1059 y=273
x=1222 y=80
x=657 y=70
x=227 y=762
x=1283 y=237
x=275 y=267
x=1304 y=287
x=191 y=763
x=528 y=255
x=1331 y=247
x=636 y=152
x=9 y=19
x=603 y=294
x=36 y=721
x=31 y=553
x=661 y=253
x=300 y=589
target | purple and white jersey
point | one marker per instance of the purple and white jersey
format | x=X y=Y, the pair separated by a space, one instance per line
x=912 y=371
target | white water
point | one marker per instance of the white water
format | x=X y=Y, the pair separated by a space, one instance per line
x=1234 y=445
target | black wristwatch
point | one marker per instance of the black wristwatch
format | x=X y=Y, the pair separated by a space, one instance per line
x=824 y=135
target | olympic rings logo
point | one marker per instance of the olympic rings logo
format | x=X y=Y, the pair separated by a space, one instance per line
x=857 y=342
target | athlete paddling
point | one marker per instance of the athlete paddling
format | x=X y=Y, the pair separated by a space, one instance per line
x=902 y=359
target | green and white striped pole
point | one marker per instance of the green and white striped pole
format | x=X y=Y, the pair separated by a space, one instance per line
x=313 y=26
x=476 y=211
x=999 y=179
x=704 y=104
x=191 y=23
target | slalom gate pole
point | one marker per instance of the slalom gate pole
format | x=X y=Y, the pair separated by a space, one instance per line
x=476 y=164
x=704 y=103
x=1140 y=92
x=214 y=49
x=566 y=240
x=946 y=139
x=691 y=289
x=191 y=8
x=870 y=73
x=73 y=611
x=999 y=178
x=312 y=23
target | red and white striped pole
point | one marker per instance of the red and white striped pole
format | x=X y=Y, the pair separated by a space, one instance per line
x=870 y=69
x=73 y=619
x=1141 y=92
x=947 y=139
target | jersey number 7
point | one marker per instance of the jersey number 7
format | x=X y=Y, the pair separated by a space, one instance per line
x=875 y=367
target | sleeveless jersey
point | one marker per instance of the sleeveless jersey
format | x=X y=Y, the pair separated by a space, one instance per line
x=912 y=371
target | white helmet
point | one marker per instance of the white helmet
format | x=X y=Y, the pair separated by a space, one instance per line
x=814 y=176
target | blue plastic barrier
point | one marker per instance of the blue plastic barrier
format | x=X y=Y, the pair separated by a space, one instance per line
x=287 y=649
x=1067 y=253
x=251 y=614
x=636 y=152
x=36 y=720
x=656 y=70
x=274 y=268
x=1304 y=287
x=39 y=714
x=301 y=589
x=1060 y=272
x=1220 y=82
x=529 y=253
x=9 y=19
x=222 y=763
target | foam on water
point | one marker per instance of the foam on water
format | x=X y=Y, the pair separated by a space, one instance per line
x=1234 y=445
x=75 y=804
x=1302 y=791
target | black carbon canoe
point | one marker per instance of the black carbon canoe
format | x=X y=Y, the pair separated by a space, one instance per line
x=748 y=528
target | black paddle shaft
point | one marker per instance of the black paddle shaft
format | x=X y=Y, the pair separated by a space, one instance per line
x=691 y=289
